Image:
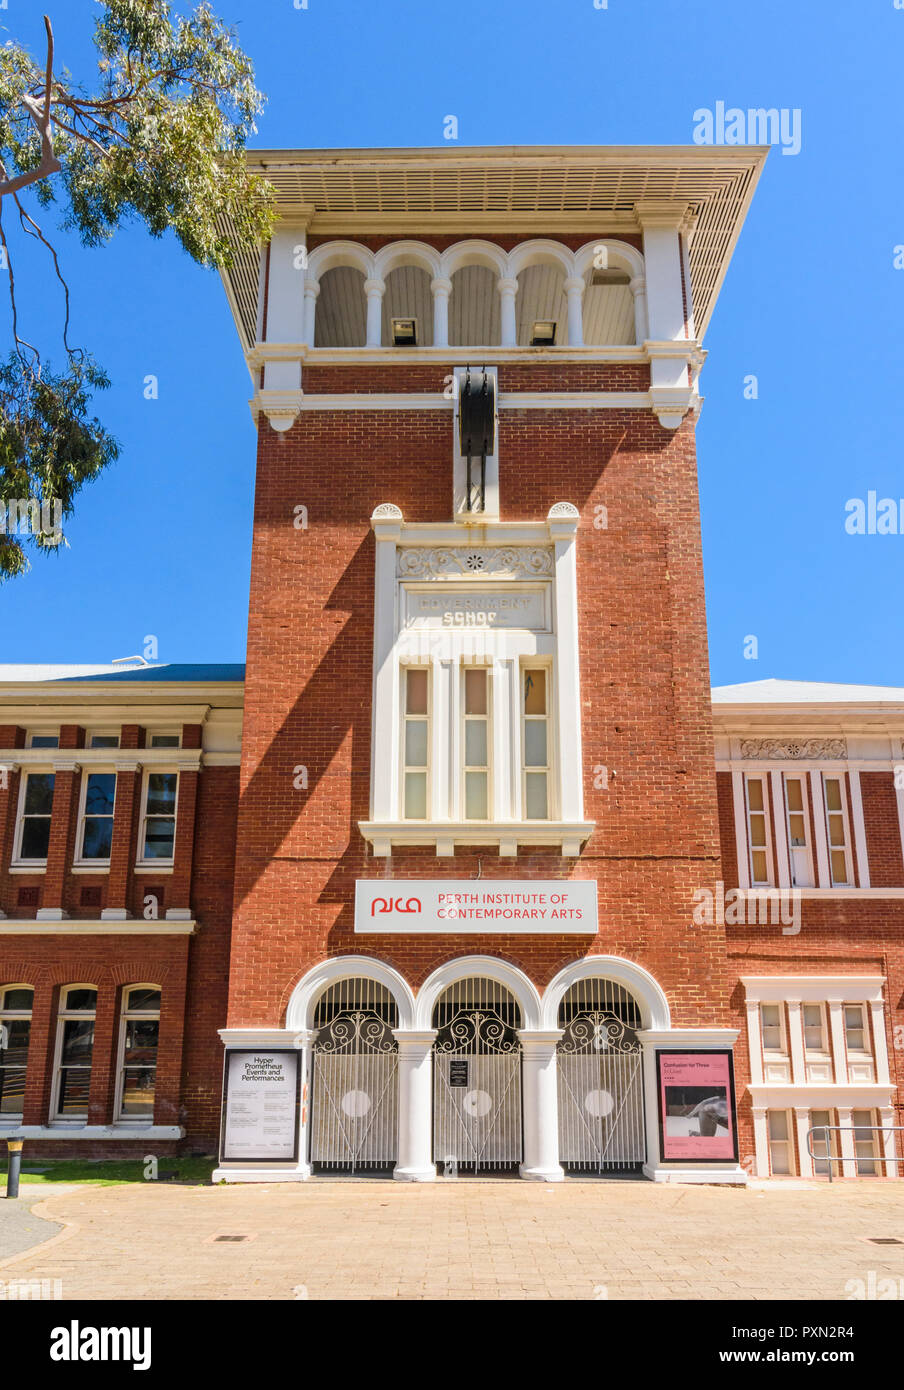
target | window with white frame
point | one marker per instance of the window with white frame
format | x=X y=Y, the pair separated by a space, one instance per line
x=74 y=1052
x=759 y=857
x=856 y=1029
x=138 y=1042
x=476 y=743
x=157 y=835
x=779 y=1141
x=814 y=1025
x=772 y=1027
x=104 y=740
x=95 y=835
x=797 y=825
x=15 y=1030
x=865 y=1136
x=825 y=1142
x=416 y=743
x=837 y=830
x=163 y=738
x=35 y=810
x=536 y=767
x=42 y=740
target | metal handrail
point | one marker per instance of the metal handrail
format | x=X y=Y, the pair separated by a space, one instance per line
x=831 y=1158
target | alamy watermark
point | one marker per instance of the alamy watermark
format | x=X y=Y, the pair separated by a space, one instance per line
x=754 y=126
x=741 y=907
x=32 y=516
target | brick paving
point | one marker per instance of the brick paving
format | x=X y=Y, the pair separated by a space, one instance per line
x=469 y=1240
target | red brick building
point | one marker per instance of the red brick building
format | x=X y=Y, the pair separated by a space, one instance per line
x=481 y=914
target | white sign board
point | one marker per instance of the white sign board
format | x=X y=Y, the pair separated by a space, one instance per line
x=550 y=907
x=457 y=609
x=261 y=1112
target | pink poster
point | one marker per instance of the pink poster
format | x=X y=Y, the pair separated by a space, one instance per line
x=696 y=1106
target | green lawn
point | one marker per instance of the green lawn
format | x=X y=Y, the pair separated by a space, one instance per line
x=109 y=1173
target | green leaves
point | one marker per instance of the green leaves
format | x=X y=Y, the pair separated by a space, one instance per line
x=50 y=447
x=159 y=139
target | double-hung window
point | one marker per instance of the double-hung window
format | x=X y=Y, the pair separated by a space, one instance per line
x=157 y=836
x=96 y=826
x=476 y=743
x=837 y=829
x=797 y=821
x=771 y=1025
x=535 y=742
x=416 y=743
x=814 y=1023
x=35 y=808
x=139 y=1037
x=757 y=830
x=75 y=1049
x=15 y=1028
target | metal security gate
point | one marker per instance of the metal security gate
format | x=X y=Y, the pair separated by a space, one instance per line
x=600 y=1079
x=477 y=1078
x=355 y=1091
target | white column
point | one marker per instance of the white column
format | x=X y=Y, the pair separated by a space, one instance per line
x=761 y=1142
x=796 y=1040
x=638 y=287
x=754 y=1042
x=304 y=1041
x=387 y=525
x=444 y=741
x=374 y=289
x=508 y=287
x=740 y=822
x=804 y=1159
x=541 y=1106
x=563 y=525
x=661 y=223
x=839 y=1050
x=505 y=700
x=311 y=291
x=415 y=1162
x=285 y=306
x=888 y=1148
x=819 y=821
x=859 y=828
x=899 y=798
x=441 y=288
x=574 y=292
x=880 y=1041
x=783 y=867
x=848 y=1153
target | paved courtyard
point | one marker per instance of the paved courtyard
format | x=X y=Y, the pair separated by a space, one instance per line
x=466 y=1239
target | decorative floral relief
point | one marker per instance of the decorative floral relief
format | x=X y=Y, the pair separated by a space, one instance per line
x=783 y=749
x=493 y=562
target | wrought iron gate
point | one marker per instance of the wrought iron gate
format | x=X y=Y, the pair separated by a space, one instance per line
x=600 y=1079
x=477 y=1078
x=355 y=1091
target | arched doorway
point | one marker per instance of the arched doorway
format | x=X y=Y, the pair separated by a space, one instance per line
x=600 y=1078
x=355 y=1082
x=477 y=1121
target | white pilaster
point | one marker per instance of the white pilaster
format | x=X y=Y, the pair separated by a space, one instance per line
x=888 y=1147
x=796 y=1041
x=441 y=288
x=507 y=286
x=285 y=305
x=754 y=1042
x=505 y=767
x=740 y=822
x=859 y=828
x=415 y=1162
x=839 y=1050
x=563 y=525
x=574 y=293
x=311 y=292
x=761 y=1142
x=638 y=287
x=374 y=290
x=541 y=1106
x=670 y=386
x=880 y=1042
x=780 y=824
x=819 y=821
x=802 y=1125
x=848 y=1152
x=387 y=525
x=444 y=741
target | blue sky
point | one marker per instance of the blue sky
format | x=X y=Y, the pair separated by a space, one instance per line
x=811 y=306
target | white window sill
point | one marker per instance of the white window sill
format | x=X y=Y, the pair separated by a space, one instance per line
x=61 y=1129
x=568 y=836
x=805 y=894
x=160 y=866
x=91 y=866
x=23 y=867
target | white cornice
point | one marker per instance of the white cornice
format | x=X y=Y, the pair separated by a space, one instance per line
x=71 y=927
x=602 y=354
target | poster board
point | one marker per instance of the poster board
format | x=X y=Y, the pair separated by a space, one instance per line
x=261 y=1098
x=698 y=1120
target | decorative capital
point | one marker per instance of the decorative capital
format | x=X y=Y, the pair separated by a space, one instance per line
x=441 y=286
x=372 y=287
x=387 y=511
x=563 y=511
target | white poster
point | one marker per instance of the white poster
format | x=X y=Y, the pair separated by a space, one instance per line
x=261 y=1106
x=551 y=907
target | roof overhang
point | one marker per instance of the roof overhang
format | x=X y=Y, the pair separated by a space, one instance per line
x=534 y=189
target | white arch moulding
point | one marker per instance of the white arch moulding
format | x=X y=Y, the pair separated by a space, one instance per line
x=640 y=984
x=304 y=997
x=482 y=967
